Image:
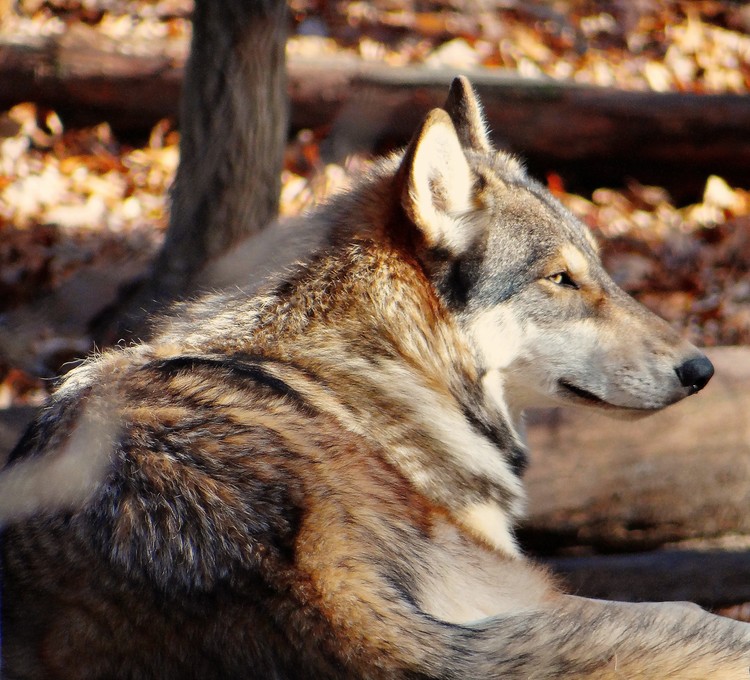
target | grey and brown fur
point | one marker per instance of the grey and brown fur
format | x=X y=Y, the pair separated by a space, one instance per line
x=321 y=481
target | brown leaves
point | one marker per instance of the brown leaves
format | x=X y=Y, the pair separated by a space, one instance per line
x=68 y=197
x=686 y=45
x=18 y=387
x=681 y=46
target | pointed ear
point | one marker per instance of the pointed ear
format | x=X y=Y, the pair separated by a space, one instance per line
x=465 y=111
x=438 y=184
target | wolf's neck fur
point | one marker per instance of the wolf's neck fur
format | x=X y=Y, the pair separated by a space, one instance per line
x=403 y=348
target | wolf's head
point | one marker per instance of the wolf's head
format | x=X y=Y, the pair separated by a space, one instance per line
x=524 y=279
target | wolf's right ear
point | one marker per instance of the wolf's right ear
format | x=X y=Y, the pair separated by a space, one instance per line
x=437 y=185
x=465 y=111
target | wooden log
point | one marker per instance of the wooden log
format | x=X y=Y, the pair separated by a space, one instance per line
x=90 y=77
x=712 y=578
x=365 y=104
x=616 y=485
x=557 y=120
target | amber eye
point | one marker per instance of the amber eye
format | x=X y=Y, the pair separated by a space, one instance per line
x=562 y=279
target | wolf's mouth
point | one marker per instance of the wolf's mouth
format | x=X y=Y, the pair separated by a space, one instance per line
x=582 y=393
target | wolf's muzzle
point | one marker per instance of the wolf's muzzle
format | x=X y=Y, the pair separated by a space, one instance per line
x=695 y=373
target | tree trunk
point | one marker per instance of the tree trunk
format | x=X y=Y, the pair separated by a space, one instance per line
x=233 y=125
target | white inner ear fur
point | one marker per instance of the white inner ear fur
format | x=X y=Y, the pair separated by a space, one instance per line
x=441 y=187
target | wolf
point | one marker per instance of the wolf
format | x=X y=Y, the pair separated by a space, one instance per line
x=322 y=480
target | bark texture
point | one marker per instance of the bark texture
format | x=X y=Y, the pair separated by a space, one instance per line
x=233 y=125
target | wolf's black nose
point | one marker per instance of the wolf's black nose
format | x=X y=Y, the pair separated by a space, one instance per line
x=695 y=373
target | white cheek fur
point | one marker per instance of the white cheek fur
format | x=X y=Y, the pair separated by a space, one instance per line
x=499 y=338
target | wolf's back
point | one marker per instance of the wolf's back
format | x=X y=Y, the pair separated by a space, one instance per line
x=191 y=534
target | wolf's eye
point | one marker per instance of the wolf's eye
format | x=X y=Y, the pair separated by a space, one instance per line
x=562 y=279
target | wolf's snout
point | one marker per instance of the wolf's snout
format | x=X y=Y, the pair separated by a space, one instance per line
x=695 y=373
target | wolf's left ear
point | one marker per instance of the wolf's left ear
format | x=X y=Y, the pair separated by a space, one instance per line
x=438 y=184
x=465 y=111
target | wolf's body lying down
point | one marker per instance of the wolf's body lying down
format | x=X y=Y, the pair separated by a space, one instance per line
x=321 y=482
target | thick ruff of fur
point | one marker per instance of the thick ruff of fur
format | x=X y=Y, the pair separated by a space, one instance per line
x=322 y=481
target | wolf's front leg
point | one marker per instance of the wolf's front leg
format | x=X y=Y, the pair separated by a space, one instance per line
x=581 y=638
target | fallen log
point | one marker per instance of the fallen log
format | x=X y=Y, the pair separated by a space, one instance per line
x=711 y=578
x=91 y=77
x=88 y=76
x=663 y=137
x=614 y=485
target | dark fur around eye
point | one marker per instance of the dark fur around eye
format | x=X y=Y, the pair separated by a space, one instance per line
x=563 y=279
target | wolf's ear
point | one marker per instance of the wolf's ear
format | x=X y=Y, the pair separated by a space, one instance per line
x=438 y=184
x=465 y=111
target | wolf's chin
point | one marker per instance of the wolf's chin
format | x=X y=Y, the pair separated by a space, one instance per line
x=583 y=398
x=583 y=395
